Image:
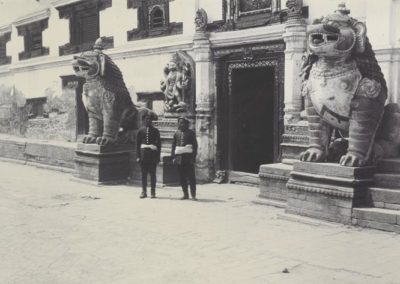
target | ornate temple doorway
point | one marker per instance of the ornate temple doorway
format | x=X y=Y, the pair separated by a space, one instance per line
x=250 y=84
x=252 y=117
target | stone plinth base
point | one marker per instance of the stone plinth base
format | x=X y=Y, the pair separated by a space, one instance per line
x=327 y=191
x=167 y=172
x=103 y=164
x=273 y=179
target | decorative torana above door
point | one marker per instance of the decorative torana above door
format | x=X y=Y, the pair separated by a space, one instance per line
x=254 y=6
x=243 y=14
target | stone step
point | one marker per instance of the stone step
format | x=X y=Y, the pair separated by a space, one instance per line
x=297 y=129
x=387 y=180
x=389 y=166
x=292 y=151
x=295 y=139
x=377 y=218
x=384 y=198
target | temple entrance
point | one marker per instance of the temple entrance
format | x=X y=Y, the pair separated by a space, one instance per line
x=250 y=81
x=252 y=119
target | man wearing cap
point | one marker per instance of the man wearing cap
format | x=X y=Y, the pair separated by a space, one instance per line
x=184 y=151
x=148 y=153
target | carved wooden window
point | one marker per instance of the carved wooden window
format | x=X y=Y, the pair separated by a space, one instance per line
x=84 y=25
x=157 y=19
x=4 y=38
x=33 y=41
x=153 y=19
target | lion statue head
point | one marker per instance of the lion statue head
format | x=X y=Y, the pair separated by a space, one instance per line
x=106 y=98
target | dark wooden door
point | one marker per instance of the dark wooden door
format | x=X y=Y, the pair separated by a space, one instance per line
x=251 y=119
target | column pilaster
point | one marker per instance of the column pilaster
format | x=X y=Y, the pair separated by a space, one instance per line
x=205 y=106
x=295 y=37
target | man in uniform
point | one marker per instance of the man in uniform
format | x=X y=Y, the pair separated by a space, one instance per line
x=148 y=151
x=184 y=151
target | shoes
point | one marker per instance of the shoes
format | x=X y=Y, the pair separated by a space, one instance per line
x=143 y=195
x=184 y=197
x=153 y=196
x=194 y=198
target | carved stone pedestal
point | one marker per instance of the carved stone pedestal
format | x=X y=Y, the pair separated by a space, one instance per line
x=103 y=164
x=273 y=179
x=327 y=191
x=167 y=174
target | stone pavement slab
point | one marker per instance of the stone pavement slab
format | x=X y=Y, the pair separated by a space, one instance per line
x=54 y=230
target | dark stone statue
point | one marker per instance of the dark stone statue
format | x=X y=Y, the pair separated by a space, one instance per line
x=201 y=20
x=345 y=90
x=108 y=103
x=176 y=85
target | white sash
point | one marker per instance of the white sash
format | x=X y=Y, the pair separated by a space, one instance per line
x=188 y=149
x=151 y=147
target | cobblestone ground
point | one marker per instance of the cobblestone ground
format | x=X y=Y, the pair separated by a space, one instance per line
x=54 y=230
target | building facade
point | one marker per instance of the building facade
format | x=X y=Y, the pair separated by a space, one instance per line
x=244 y=58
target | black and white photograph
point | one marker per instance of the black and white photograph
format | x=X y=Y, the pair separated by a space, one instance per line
x=199 y=141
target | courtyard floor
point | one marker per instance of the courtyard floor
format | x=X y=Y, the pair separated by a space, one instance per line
x=55 y=230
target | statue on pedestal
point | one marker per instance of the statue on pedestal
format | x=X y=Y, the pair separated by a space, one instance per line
x=176 y=84
x=105 y=97
x=345 y=90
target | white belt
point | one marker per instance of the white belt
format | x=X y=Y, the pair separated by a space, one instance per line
x=152 y=147
x=184 y=149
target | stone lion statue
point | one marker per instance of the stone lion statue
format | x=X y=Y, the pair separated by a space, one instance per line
x=344 y=89
x=110 y=109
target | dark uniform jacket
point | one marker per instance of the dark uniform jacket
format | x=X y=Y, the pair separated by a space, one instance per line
x=148 y=136
x=182 y=139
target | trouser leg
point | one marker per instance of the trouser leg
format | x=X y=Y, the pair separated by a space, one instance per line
x=153 y=178
x=144 y=178
x=192 y=180
x=183 y=179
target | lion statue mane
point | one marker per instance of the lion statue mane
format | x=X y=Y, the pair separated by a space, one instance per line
x=345 y=90
x=110 y=109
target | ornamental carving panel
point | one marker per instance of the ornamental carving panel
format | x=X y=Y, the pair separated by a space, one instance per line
x=253 y=5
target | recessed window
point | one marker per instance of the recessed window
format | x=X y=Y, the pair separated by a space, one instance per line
x=4 y=38
x=153 y=19
x=84 y=27
x=157 y=18
x=33 y=40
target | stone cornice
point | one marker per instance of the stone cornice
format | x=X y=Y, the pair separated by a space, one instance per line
x=32 y=17
x=151 y=47
x=5 y=29
x=4 y=70
x=255 y=35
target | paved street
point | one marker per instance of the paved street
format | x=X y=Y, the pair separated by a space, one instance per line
x=54 y=230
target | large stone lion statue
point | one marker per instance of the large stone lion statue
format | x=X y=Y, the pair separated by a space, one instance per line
x=110 y=109
x=344 y=89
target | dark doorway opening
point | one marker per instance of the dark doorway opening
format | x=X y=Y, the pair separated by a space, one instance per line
x=75 y=84
x=252 y=118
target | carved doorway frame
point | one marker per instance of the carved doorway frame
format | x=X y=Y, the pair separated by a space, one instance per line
x=269 y=55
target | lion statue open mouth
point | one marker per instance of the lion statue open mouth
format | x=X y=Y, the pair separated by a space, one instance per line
x=105 y=97
x=344 y=89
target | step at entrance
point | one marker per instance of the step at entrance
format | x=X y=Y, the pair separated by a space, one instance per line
x=377 y=218
x=384 y=198
x=387 y=180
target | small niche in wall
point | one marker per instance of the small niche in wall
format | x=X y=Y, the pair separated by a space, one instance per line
x=37 y=107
